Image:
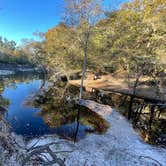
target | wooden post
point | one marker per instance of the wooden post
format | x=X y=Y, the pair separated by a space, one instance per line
x=130 y=107
x=152 y=109
x=139 y=111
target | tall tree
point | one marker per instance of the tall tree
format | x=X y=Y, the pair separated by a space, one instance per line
x=82 y=15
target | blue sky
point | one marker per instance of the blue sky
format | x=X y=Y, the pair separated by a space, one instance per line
x=20 y=18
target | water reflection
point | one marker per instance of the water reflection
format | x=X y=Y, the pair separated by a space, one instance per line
x=58 y=112
x=47 y=112
x=152 y=127
x=23 y=118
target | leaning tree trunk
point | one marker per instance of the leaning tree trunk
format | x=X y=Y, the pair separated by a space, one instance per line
x=44 y=72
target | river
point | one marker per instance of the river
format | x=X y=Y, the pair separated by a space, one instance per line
x=30 y=121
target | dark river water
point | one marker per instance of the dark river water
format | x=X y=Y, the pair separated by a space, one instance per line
x=50 y=117
x=23 y=118
x=27 y=120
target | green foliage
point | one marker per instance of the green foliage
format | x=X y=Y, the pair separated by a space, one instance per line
x=20 y=59
x=130 y=39
x=10 y=53
x=63 y=48
x=7 y=45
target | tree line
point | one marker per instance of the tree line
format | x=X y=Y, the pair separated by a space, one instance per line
x=131 y=38
x=11 y=53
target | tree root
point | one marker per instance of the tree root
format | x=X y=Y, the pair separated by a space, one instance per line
x=37 y=152
x=151 y=159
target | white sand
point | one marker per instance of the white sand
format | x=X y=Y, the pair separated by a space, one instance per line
x=119 y=146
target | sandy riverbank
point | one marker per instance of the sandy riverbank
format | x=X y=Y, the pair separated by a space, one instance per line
x=119 y=146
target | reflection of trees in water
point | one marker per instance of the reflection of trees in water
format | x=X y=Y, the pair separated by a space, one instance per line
x=20 y=77
x=148 y=117
x=3 y=102
x=57 y=110
x=12 y=80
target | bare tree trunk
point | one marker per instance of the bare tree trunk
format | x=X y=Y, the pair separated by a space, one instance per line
x=84 y=64
x=82 y=81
